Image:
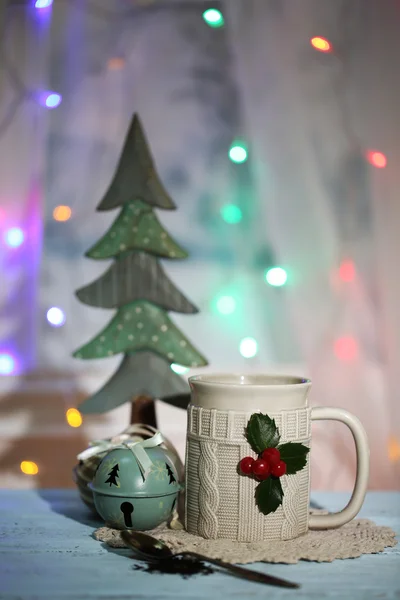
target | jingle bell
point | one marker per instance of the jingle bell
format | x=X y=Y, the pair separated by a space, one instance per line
x=127 y=498
x=84 y=472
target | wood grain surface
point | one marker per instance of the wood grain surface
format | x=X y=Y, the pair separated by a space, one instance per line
x=47 y=551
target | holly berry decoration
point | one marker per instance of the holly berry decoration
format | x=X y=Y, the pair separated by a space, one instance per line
x=246 y=465
x=279 y=469
x=273 y=461
x=272 y=455
x=261 y=468
x=269 y=463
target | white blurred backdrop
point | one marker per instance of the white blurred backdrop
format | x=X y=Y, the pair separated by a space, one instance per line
x=312 y=198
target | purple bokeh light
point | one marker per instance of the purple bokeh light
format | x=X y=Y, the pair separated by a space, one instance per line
x=43 y=3
x=50 y=99
x=14 y=237
x=53 y=100
x=7 y=364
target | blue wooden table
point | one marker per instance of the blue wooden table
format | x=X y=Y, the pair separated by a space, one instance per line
x=47 y=552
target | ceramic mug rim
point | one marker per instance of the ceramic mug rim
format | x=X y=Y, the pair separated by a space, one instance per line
x=250 y=380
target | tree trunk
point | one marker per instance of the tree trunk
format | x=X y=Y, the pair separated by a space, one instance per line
x=143 y=411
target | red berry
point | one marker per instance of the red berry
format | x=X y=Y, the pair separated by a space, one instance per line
x=246 y=465
x=261 y=468
x=279 y=469
x=272 y=455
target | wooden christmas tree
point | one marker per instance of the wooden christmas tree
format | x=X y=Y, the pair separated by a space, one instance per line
x=139 y=289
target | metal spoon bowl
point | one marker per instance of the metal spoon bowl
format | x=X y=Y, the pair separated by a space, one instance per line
x=154 y=549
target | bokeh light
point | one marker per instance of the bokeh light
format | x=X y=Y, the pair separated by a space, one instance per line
x=347 y=271
x=116 y=63
x=231 y=213
x=248 y=347
x=28 y=467
x=226 y=305
x=377 y=159
x=62 y=213
x=50 y=99
x=43 y=3
x=55 y=316
x=74 y=417
x=53 y=100
x=14 y=237
x=276 y=276
x=346 y=348
x=394 y=449
x=213 y=17
x=179 y=369
x=238 y=152
x=321 y=44
x=7 y=364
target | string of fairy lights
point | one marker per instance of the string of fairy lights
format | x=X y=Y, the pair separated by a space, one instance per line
x=346 y=347
x=13 y=236
x=275 y=276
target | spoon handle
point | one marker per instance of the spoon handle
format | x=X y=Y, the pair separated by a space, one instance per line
x=242 y=572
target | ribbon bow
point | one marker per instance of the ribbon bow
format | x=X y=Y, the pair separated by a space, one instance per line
x=137 y=447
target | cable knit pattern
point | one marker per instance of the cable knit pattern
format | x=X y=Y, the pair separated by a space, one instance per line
x=208 y=492
x=290 y=523
x=219 y=501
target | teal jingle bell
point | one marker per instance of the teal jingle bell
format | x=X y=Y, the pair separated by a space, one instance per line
x=126 y=497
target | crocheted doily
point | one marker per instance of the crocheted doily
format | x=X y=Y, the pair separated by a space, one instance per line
x=358 y=537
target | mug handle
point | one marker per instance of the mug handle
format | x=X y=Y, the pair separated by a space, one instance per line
x=324 y=413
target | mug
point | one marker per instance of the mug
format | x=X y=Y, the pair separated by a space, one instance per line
x=220 y=500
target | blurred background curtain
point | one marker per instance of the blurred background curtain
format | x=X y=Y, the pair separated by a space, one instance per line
x=309 y=199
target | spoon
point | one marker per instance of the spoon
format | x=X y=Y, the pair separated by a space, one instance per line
x=152 y=548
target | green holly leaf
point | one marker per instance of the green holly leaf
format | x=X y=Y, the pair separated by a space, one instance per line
x=294 y=455
x=269 y=495
x=261 y=432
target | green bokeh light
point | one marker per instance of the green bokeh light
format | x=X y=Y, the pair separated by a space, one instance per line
x=238 y=152
x=226 y=305
x=248 y=347
x=213 y=17
x=276 y=276
x=179 y=369
x=231 y=213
